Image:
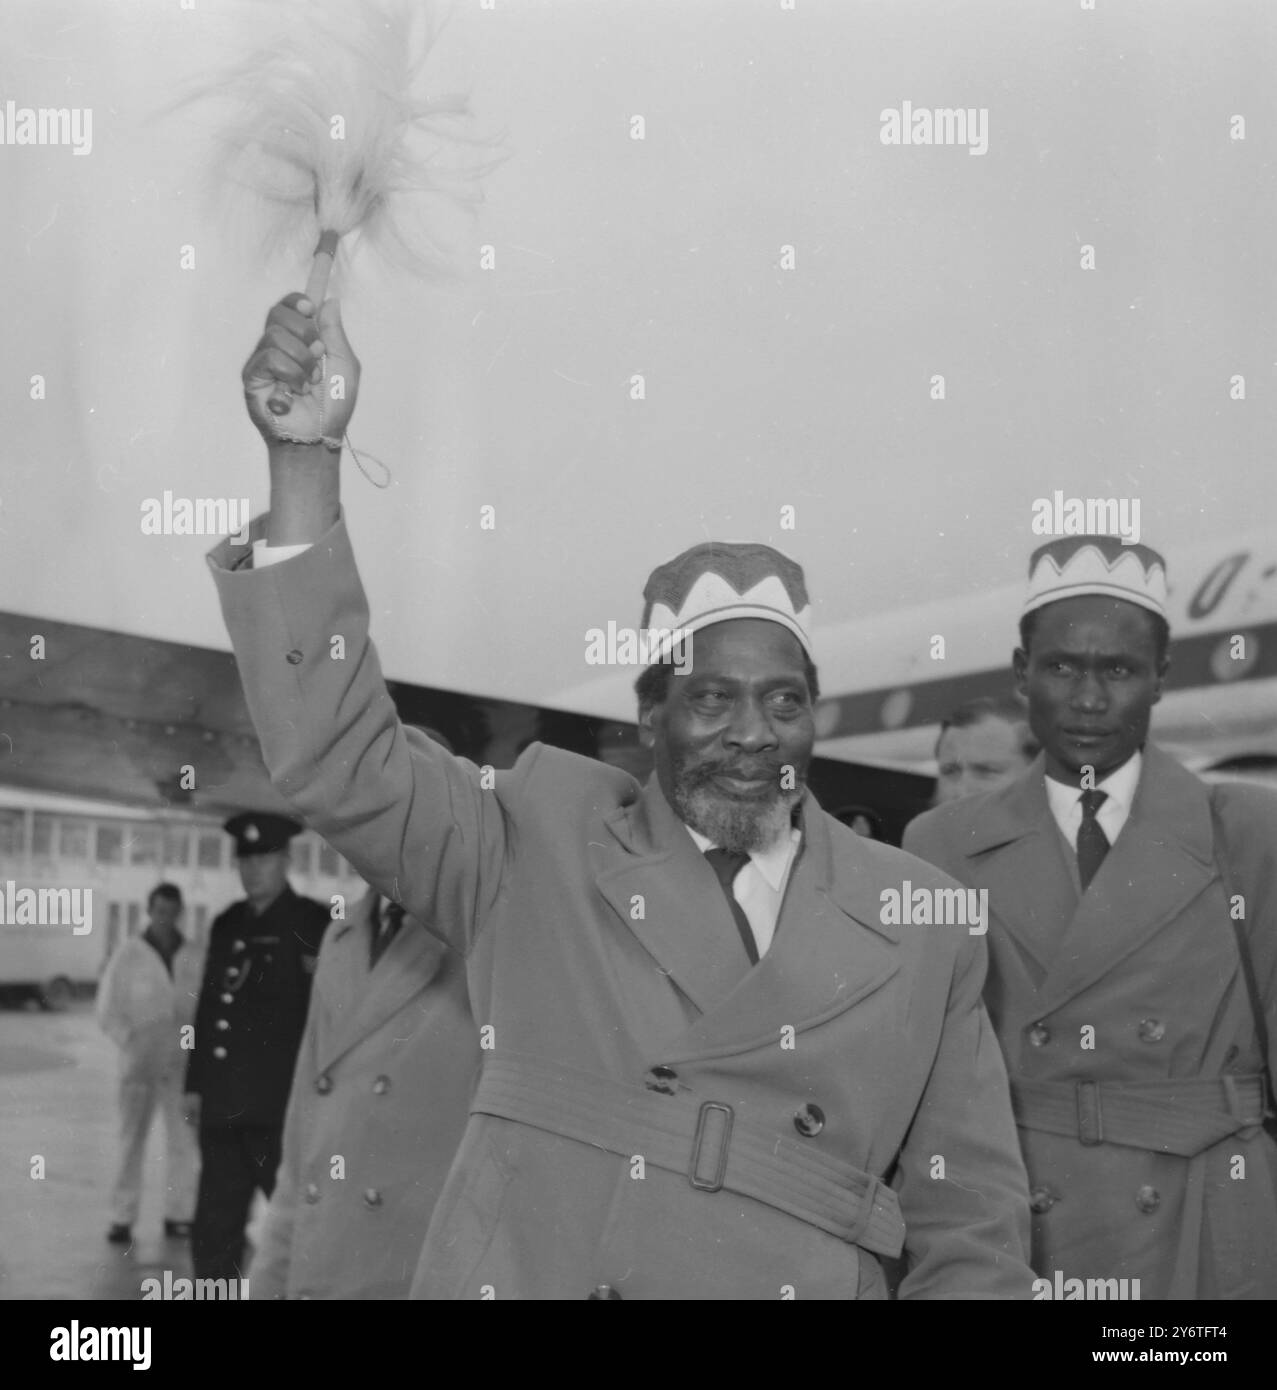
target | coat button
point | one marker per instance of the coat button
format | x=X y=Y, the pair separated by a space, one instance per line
x=219 y=1053
x=323 y=1083
x=602 y=1291
x=237 y=945
x=1042 y=1199
x=312 y=1193
x=1152 y=1030
x=221 y=1025
x=809 y=1121
x=1148 y=1199
x=381 y=1086
x=228 y=998
x=1039 y=1035
x=372 y=1198
x=664 y=1078
x=294 y=658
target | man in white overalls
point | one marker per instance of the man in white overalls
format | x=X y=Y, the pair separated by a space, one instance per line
x=148 y=993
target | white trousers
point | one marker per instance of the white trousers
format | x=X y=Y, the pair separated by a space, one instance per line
x=139 y=1098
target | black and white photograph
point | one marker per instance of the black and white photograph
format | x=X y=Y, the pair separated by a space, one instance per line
x=638 y=661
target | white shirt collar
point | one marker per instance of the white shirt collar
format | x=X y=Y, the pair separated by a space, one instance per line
x=1120 y=785
x=772 y=862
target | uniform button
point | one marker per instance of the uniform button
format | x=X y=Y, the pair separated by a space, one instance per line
x=664 y=1083
x=219 y=1053
x=809 y=1121
x=294 y=658
x=323 y=1083
x=602 y=1291
x=221 y=1025
x=1039 y=1035
x=237 y=945
x=372 y=1198
x=1148 y=1199
x=1152 y=1030
x=228 y=998
x=381 y=1085
x=312 y=1193
x=1042 y=1199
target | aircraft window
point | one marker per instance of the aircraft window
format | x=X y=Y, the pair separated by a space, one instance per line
x=303 y=857
x=135 y=916
x=210 y=852
x=12 y=833
x=146 y=845
x=329 y=863
x=73 y=839
x=177 y=846
x=110 y=845
x=42 y=837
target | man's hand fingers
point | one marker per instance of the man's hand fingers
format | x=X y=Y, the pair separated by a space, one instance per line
x=300 y=325
x=301 y=352
x=272 y=364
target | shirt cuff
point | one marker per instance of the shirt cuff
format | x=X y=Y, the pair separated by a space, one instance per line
x=265 y=555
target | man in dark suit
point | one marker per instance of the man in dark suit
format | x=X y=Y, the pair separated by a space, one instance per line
x=248 y=1026
x=1129 y=1006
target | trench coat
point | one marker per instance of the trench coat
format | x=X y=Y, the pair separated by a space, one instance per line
x=383 y=1082
x=1148 y=959
x=655 y=1118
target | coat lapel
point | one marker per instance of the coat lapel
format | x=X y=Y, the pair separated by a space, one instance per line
x=362 y=998
x=685 y=923
x=1160 y=862
x=830 y=951
x=1015 y=850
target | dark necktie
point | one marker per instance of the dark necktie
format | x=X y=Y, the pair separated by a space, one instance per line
x=727 y=863
x=391 y=920
x=1092 y=842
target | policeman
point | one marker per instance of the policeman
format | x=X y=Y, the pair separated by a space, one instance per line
x=248 y=1026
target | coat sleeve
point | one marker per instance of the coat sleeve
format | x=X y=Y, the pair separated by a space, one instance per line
x=968 y=1229
x=110 y=1003
x=423 y=827
x=1248 y=818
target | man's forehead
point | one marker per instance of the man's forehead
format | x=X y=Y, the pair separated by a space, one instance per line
x=747 y=645
x=1095 y=623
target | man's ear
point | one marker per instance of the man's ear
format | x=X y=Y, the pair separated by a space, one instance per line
x=647 y=735
x=1163 y=667
x=1020 y=669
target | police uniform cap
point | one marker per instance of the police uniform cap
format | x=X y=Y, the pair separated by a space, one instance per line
x=261 y=832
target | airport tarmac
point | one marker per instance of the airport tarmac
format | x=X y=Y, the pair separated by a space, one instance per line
x=57 y=1100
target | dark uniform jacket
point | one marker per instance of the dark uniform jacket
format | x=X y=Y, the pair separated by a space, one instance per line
x=252 y=1009
x=1128 y=1032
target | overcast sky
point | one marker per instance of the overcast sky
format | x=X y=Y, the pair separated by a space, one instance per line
x=765 y=387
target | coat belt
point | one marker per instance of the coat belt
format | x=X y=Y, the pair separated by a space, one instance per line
x=1169 y=1116
x=702 y=1140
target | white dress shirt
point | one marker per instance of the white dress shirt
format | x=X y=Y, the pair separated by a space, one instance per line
x=1065 y=801
x=760 y=886
x=265 y=555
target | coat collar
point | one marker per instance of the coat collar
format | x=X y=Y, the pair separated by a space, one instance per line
x=830 y=948
x=361 y=998
x=1160 y=861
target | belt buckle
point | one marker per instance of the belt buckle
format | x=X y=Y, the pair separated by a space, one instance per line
x=698 y=1142
x=1090 y=1116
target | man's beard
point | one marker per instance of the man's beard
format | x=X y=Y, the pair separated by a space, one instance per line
x=739 y=823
